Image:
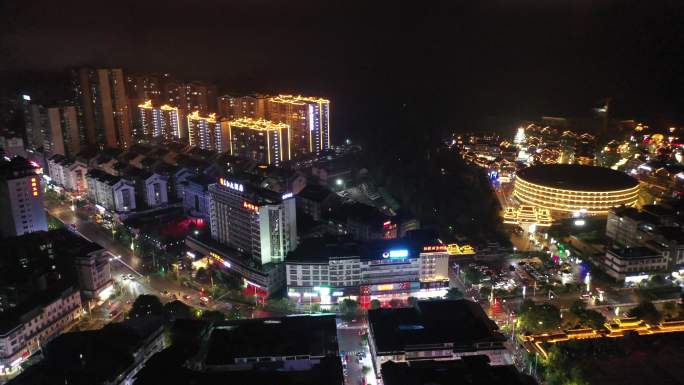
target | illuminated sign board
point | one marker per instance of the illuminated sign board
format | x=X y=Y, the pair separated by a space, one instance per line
x=451 y=249
x=250 y=207
x=232 y=185
x=26 y=97
x=287 y=196
x=396 y=254
x=385 y=287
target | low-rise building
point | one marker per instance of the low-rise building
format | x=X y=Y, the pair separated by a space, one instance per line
x=112 y=355
x=629 y=227
x=69 y=174
x=196 y=196
x=434 y=330
x=112 y=193
x=94 y=275
x=625 y=263
x=24 y=329
x=327 y=270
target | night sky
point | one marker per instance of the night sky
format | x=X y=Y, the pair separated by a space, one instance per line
x=423 y=65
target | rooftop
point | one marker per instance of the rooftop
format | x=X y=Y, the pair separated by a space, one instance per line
x=322 y=249
x=264 y=337
x=635 y=253
x=17 y=167
x=471 y=370
x=577 y=177
x=460 y=322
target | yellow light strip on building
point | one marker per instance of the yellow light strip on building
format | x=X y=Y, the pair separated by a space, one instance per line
x=147 y=104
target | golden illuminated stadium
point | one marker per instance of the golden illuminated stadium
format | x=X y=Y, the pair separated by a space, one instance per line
x=569 y=188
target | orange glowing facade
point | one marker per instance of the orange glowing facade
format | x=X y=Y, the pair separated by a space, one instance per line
x=205 y=132
x=309 y=121
x=264 y=141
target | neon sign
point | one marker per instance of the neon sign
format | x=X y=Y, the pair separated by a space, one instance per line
x=396 y=254
x=250 y=207
x=232 y=185
x=451 y=249
x=287 y=196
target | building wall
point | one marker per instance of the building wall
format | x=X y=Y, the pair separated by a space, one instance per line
x=39 y=326
x=156 y=190
x=620 y=268
x=22 y=209
x=94 y=273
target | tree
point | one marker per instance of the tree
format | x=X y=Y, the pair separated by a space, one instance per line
x=538 y=318
x=201 y=275
x=348 y=309
x=395 y=303
x=375 y=304
x=213 y=316
x=646 y=311
x=472 y=276
x=177 y=310
x=146 y=305
x=454 y=293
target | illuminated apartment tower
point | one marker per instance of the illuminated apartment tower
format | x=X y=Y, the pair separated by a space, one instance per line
x=102 y=106
x=308 y=119
x=159 y=122
x=264 y=141
x=247 y=106
x=140 y=88
x=21 y=199
x=61 y=135
x=205 y=132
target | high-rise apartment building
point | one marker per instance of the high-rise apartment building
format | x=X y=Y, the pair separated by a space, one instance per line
x=256 y=222
x=62 y=135
x=246 y=106
x=140 y=88
x=264 y=141
x=159 y=122
x=35 y=123
x=103 y=108
x=205 y=132
x=308 y=119
x=192 y=96
x=21 y=200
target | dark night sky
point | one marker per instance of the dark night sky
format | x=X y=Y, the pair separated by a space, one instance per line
x=444 y=65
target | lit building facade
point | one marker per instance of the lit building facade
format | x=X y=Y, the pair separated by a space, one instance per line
x=327 y=271
x=309 y=121
x=566 y=189
x=258 y=223
x=264 y=141
x=246 y=106
x=22 y=209
x=205 y=132
x=36 y=326
x=159 y=122
x=192 y=96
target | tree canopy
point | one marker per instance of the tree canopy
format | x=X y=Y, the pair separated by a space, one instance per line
x=146 y=305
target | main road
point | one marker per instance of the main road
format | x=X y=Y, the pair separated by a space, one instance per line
x=131 y=264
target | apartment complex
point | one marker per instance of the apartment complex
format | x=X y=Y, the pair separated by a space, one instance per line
x=246 y=106
x=264 y=141
x=205 y=132
x=309 y=121
x=69 y=174
x=163 y=122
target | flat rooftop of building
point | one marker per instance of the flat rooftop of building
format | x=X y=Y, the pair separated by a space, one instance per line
x=310 y=335
x=470 y=370
x=12 y=318
x=91 y=357
x=658 y=210
x=322 y=249
x=315 y=192
x=460 y=322
x=640 y=252
x=163 y=371
x=577 y=177
x=634 y=214
x=15 y=167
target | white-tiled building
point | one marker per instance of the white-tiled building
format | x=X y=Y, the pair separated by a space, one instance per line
x=112 y=193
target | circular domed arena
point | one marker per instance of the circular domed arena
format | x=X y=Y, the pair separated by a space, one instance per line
x=568 y=188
